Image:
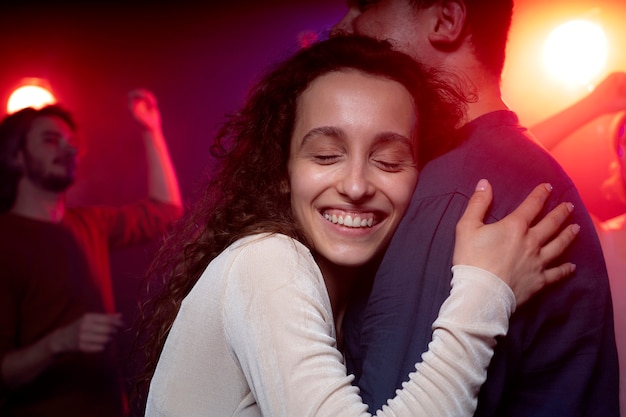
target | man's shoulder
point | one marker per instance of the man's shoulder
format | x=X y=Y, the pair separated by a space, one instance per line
x=495 y=138
x=83 y=214
x=500 y=132
x=506 y=154
x=502 y=151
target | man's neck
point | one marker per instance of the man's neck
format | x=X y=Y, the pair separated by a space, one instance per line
x=482 y=88
x=38 y=204
x=488 y=100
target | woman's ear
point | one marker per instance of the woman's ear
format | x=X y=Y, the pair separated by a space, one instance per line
x=449 y=27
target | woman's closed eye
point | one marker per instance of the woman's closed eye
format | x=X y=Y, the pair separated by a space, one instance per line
x=391 y=165
x=394 y=157
x=326 y=159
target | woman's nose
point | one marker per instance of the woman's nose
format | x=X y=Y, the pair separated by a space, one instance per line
x=356 y=182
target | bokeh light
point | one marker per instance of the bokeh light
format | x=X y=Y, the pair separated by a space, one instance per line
x=576 y=52
x=29 y=95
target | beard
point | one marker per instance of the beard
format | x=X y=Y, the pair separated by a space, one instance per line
x=35 y=171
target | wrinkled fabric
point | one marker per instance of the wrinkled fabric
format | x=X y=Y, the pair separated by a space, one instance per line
x=256 y=337
x=559 y=357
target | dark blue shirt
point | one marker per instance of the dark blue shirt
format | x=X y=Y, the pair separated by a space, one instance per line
x=559 y=357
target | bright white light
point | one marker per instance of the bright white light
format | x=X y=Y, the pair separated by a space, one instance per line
x=576 y=52
x=29 y=96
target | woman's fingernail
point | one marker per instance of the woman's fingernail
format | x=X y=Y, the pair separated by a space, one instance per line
x=548 y=187
x=482 y=185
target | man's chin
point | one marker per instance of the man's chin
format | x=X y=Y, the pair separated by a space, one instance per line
x=58 y=184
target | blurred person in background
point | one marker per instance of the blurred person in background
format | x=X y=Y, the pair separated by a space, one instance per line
x=58 y=316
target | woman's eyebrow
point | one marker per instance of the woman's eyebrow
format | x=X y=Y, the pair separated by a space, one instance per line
x=328 y=131
x=388 y=137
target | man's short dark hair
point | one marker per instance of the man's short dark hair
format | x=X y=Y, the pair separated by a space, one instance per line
x=488 y=22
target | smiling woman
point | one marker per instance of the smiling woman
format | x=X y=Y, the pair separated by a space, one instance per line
x=351 y=159
x=255 y=282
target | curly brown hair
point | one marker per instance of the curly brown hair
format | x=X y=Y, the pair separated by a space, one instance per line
x=246 y=195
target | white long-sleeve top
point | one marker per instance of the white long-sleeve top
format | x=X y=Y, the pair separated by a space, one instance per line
x=256 y=337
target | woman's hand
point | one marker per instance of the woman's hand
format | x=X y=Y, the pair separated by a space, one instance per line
x=517 y=253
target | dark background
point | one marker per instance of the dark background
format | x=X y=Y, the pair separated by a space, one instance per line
x=199 y=59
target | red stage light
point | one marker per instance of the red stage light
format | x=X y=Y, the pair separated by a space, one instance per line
x=31 y=93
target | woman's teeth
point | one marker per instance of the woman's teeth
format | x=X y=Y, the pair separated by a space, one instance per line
x=349 y=221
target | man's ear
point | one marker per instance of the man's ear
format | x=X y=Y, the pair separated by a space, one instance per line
x=449 y=27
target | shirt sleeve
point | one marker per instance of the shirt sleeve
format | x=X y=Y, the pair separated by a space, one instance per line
x=130 y=224
x=279 y=325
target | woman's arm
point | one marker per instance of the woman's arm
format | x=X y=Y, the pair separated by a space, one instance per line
x=283 y=336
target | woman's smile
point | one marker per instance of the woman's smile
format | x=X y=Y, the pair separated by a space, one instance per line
x=351 y=167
